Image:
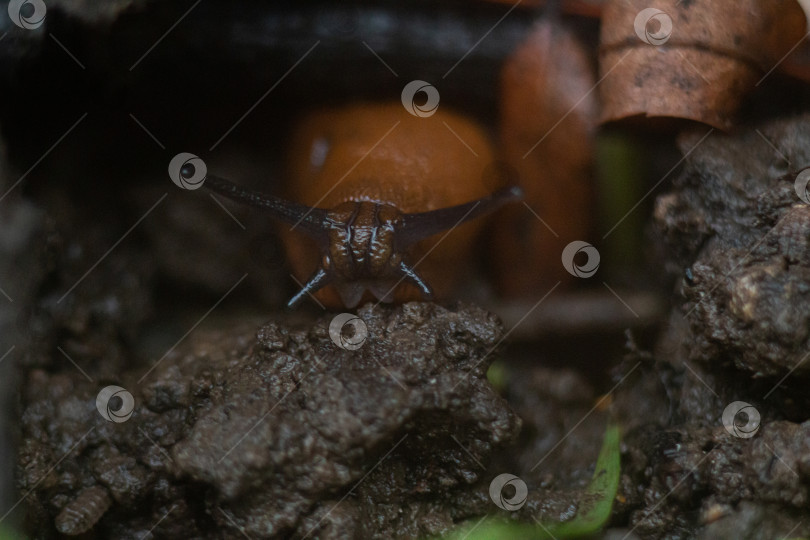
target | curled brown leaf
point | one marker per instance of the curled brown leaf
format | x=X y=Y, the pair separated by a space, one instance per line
x=693 y=59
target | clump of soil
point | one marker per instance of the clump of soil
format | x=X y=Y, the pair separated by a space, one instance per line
x=278 y=431
x=739 y=236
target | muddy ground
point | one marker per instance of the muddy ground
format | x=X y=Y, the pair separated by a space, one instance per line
x=271 y=429
x=256 y=423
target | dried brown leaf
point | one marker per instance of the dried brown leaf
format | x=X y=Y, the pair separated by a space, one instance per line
x=693 y=59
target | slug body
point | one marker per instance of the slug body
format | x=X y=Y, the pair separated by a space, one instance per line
x=373 y=184
x=547 y=124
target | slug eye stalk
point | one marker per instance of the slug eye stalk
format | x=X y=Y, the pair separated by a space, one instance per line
x=363 y=244
x=305 y=219
x=421 y=225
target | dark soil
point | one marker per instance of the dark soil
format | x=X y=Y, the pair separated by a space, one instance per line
x=737 y=235
x=277 y=432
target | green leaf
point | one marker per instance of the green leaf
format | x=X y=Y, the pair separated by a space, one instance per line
x=497 y=375
x=593 y=514
x=9 y=534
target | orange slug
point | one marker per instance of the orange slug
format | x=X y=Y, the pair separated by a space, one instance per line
x=374 y=186
x=547 y=126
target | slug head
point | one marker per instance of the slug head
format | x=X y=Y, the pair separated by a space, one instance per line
x=363 y=244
